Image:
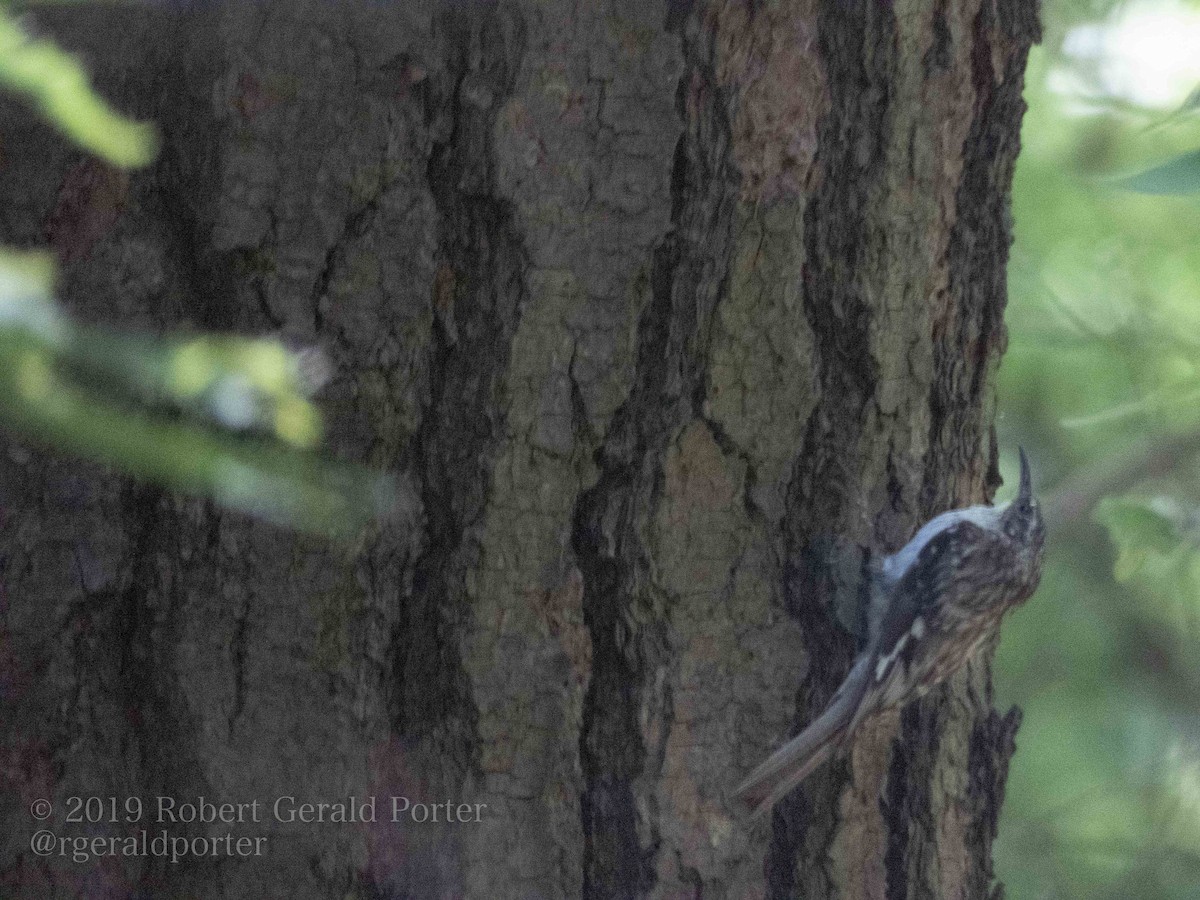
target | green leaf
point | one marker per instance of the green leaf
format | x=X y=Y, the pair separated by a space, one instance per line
x=1177 y=176
x=101 y=394
x=58 y=85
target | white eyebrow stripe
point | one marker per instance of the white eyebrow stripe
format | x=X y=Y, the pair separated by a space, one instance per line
x=898 y=563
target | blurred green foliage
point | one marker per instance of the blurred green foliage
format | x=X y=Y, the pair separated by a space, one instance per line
x=224 y=416
x=1102 y=382
x=57 y=84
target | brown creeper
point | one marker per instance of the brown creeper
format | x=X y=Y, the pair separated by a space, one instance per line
x=934 y=602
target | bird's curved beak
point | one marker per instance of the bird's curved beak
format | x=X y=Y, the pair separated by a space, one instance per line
x=1025 y=490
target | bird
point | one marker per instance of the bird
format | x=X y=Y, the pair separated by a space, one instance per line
x=934 y=602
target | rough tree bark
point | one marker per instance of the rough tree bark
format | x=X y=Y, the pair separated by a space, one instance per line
x=662 y=310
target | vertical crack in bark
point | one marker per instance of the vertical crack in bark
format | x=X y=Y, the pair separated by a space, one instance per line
x=895 y=806
x=238 y=651
x=837 y=227
x=730 y=448
x=357 y=223
x=614 y=565
x=157 y=714
x=127 y=701
x=856 y=41
x=689 y=275
x=938 y=56
x=462 y=424
x=967 y=349
x=993 y=743
x=907 y=806
x=188 y=174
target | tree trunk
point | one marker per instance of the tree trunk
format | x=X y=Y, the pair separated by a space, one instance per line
x=661 y=311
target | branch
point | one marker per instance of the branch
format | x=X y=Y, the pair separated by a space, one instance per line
x=1078 y=494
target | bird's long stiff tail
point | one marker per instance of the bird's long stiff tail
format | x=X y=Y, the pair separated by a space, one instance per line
x=792 y=763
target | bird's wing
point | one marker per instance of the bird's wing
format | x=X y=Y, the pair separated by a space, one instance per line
x=916 y=602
